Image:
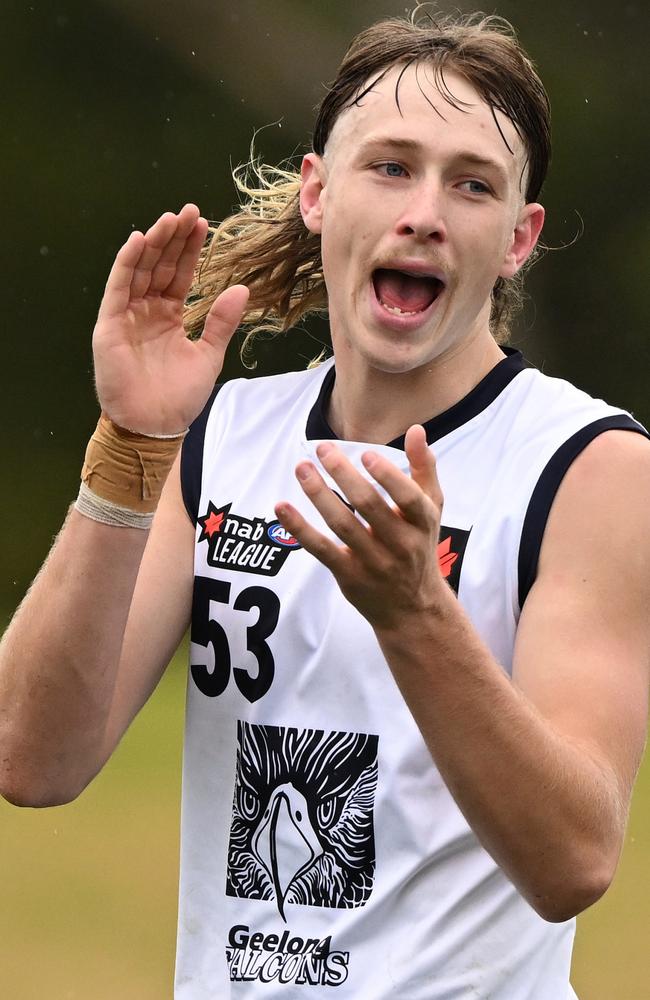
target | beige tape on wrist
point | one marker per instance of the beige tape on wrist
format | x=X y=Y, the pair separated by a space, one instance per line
x=126 y=469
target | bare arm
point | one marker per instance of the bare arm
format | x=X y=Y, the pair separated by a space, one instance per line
x=543 y=767
x=69 y=682
x=72 y=671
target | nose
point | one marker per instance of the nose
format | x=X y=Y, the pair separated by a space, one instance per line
x=423 y=215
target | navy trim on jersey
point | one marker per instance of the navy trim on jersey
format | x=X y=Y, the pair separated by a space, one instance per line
x=547 y=486
x=192 y=459
x=480 y=397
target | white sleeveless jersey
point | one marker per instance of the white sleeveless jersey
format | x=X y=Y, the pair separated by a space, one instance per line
x=322 y=855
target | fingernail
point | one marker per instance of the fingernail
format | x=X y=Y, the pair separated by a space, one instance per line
x=323 y=450
x=369 y=458
x=303 y=471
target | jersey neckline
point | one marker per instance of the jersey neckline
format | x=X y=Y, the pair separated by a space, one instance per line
x=476 y=400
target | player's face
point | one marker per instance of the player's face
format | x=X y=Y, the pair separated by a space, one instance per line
x=419 y=212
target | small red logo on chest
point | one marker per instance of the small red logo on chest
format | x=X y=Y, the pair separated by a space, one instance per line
x=451 y=551
x=446 y=558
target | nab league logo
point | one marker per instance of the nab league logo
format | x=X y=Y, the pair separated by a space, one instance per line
x=251 y=545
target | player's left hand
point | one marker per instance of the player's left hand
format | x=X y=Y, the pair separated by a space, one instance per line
x=389 y=568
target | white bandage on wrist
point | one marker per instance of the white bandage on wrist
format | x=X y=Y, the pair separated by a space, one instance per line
x=106 y=512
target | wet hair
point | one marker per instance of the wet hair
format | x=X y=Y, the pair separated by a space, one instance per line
x=265 y=243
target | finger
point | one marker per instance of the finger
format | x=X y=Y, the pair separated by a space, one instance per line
x=342 y=521
x=362 y=495
x=422 y=463
x=155 y=240
x=190 y=231
x=324 y=549
x=182 y=275
x=117 y=293
x=224 y=317
x=413 y=503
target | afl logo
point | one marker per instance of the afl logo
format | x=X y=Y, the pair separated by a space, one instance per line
x=281 y=536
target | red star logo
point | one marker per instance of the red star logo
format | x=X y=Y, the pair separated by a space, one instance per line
x=212 y=524
x=446 y=558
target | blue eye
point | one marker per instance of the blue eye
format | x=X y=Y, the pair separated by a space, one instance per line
x=392 y=169
x=476 y=187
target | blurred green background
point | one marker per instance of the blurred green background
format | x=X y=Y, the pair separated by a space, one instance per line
x=114 y=111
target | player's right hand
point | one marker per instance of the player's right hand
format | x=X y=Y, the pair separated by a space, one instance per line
x=150 y=377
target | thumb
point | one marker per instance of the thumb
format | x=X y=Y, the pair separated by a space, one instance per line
x=225 y=316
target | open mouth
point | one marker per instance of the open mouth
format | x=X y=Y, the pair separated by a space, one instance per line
x=403 y=293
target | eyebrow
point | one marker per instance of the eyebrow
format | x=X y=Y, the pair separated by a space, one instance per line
x=413 y=146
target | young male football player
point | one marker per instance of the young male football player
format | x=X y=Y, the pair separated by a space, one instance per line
x=417 y=574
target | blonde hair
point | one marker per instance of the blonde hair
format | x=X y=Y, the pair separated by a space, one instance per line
x=265 y=243
x=266 y=246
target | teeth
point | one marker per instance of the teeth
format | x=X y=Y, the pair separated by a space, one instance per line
x=398 y=311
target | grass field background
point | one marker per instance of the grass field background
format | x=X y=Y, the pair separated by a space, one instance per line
x=88 y=890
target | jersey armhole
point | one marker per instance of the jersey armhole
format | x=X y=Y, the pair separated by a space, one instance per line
x=546 y=488
x=192 y=459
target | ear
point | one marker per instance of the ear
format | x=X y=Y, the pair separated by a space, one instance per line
x=524 y=238
x=312 y=176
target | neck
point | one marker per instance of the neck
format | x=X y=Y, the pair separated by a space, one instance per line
x=376 y=406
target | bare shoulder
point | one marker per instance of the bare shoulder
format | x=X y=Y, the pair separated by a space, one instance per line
x=581 y=654
x=621 y=452
x=606 y=489
x=596 y=546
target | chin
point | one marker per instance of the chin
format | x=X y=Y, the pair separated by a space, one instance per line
x=398 y=361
